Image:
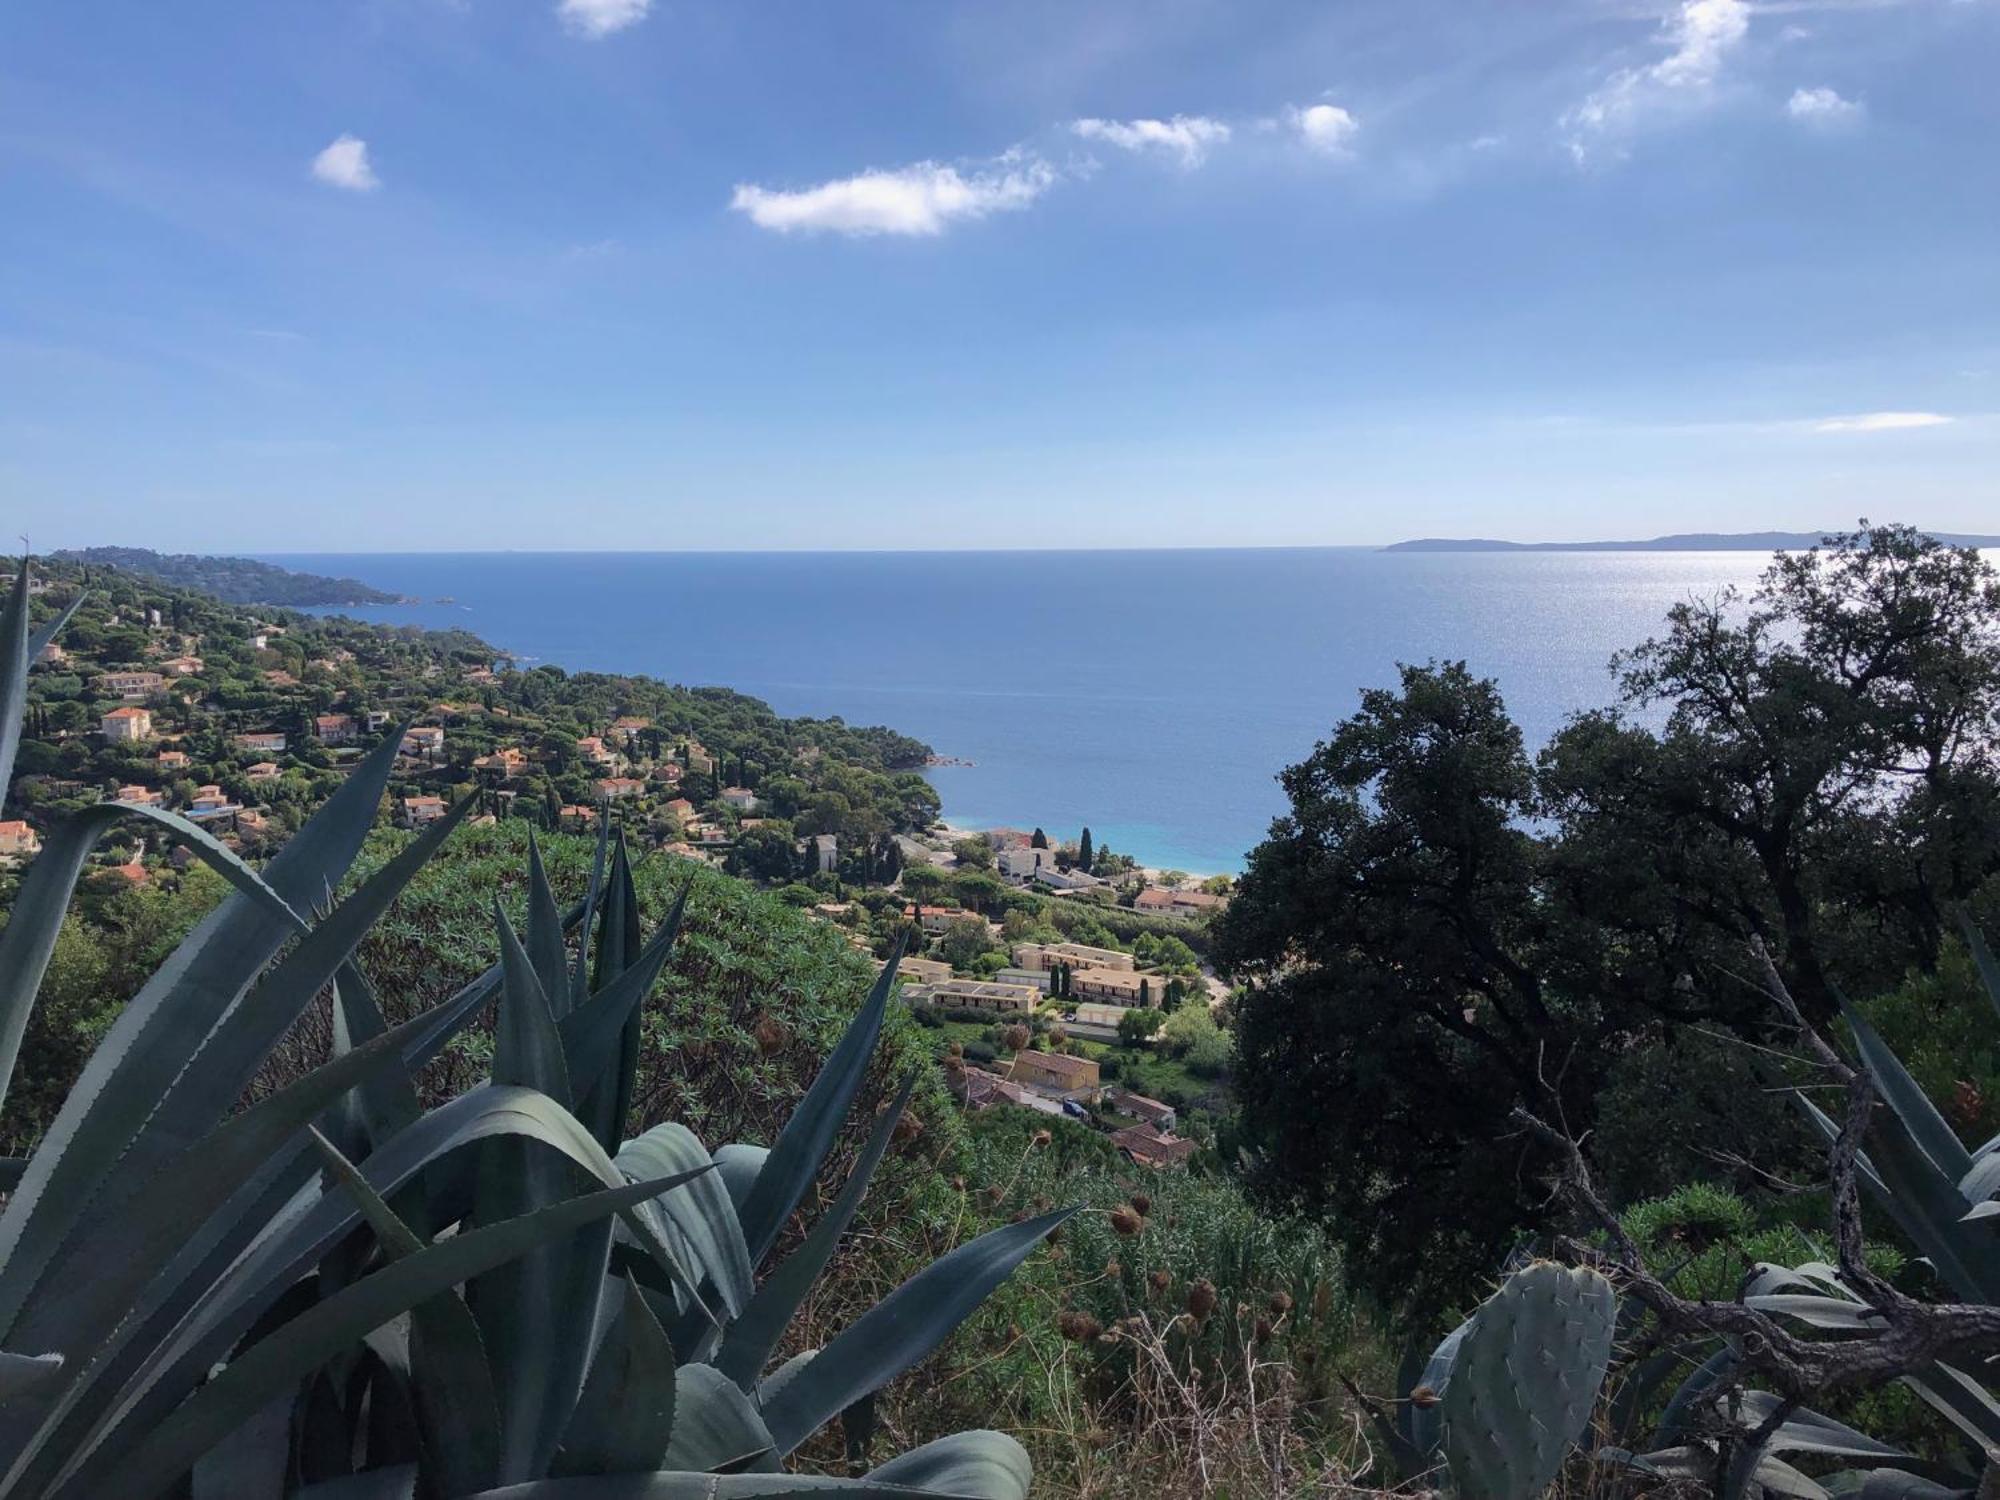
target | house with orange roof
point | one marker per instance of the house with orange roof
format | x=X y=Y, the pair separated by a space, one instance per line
x=124 y=725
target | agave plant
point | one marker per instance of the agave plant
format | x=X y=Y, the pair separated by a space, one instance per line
x=1942 y=1196
x=334 y=1294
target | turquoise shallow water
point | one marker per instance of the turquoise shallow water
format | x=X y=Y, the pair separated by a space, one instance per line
x=1152 y=695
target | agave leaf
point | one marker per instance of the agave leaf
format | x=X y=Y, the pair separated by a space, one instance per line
x=22 y=1373
x=1819 y=1312
x=224 y=1064
x=802 y=1145
x=1906 y=1182
x=1892 y=1484
x=452 y=1380
x=1961 y=1401
x=773 y=1384
x=593 y=1032
x=901 y=1329
x=749 y=1341
x=527 y=1047
x=75 y=1312
x=1982 y=956
x=1707 y=1378
x=324 y=1330
x=738 y=1165
x=1979 y=1184
x=385 y=1101
x=211 y=1248
x=625 y=1416
x=536 y=1313
x=1929 y=1129
x=255 y=1460
x=702 y=1220
x=989 y=1465
x=225 y=1304
x=605 y=1100
x=579 y=984
x=157 y=1033
x=715 y=1426
x=37 y=913
x=398 y=1483
x=18 y=650
x=545 y=933
x=450 y=1016
x=1806 y=1431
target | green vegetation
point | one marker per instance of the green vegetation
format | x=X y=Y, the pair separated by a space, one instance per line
x=196 y=1294
x=234 y=580
x=529 y=744
x=1553 y=1048
x=1445 y=928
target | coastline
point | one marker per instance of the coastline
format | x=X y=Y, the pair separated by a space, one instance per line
x=1149 y=873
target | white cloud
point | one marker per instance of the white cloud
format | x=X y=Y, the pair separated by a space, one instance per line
x=596 y=18
x=923 y=199
x=1699 y=37
x=345 y=164
x=1822 y=107
x=1882 y=421
x=1186 y=136
x=1324 y=127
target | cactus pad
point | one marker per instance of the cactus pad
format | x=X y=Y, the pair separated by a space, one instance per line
x=1522 y=1380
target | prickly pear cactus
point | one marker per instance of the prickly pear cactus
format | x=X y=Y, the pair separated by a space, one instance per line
x=1517 y=1389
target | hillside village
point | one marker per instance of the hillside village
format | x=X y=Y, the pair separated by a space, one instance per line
x=1048 y=966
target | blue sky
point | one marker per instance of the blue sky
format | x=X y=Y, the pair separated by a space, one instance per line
x=449 y=274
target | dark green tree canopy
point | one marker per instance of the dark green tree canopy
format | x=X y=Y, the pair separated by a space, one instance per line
x=1443 y=927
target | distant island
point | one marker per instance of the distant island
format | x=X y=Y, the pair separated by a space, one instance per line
x=1686 y=541
x=234 y=580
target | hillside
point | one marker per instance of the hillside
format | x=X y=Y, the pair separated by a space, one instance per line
x=1686 y=541
x=234 y=580
x=246 y=718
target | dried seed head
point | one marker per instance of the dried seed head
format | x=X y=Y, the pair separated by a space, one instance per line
x=1201 y=1299
x=1113 y=1268
x=958 y=1184
x=993 y=1196
x=1042 y=1138
x=1423 y=1395
x=1125 y=1221
x=1281 y=1303
x=1159 y=1280
x=1141 y=1202
x=908 y=1128
x=1262 y=1332
x=1078 y=1327
x=771 y=1034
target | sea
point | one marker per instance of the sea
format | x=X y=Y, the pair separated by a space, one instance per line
x=1152 y=696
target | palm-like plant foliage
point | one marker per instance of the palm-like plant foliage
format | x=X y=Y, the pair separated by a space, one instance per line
x=333 y=1293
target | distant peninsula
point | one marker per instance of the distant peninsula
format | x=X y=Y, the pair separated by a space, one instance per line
x=233 y=580
x=1686 y=541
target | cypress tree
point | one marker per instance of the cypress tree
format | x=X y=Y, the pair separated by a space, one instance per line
x=1039 y=841
x=1086 y=855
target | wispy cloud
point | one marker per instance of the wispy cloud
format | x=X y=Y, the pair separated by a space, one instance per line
x=1822 y=107
x=923 y=199
x=1882 y=421
x=344 y=164
x=597 y=18
x=1699 y=38
x=1326 y=128
x=1187 y=137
